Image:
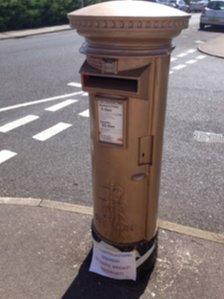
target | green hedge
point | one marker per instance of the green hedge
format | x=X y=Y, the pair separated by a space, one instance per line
x=18 y=14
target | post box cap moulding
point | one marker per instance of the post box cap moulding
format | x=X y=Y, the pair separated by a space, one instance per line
x=133 y=16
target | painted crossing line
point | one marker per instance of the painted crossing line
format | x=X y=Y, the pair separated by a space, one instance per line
x=26 y=104
x=191 y=61
x=18 y=123
x=84 y=94
x=183 y=54
x=188 y=62
x=6 y=155
x=74 y=84
x=179 y=67
x=200 y=57
x=191 y=51
x=52 y=131
x=84 y=113
x=61 y=105
x=199 y=42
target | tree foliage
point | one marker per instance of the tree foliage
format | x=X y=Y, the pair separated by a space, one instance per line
x=18 y=14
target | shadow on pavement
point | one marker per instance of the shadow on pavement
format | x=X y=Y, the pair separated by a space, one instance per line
x=88 y=285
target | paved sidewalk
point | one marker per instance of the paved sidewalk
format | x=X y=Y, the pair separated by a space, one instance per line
x=30 y=32
x=214 y=47
x=43 y=252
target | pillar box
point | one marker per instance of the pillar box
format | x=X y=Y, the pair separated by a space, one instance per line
x=127 y=47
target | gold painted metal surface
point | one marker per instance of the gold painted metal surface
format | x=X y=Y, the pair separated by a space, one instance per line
x=128 y=45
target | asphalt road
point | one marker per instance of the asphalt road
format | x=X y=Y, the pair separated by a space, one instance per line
x=59 y=168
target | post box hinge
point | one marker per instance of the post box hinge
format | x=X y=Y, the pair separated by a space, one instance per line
x=145 y=150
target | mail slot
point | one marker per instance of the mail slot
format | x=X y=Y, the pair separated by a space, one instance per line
x=118 y=84
x=127 y=47
x=131 y=82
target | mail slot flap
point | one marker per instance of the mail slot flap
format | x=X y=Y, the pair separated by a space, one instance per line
x=128 y=83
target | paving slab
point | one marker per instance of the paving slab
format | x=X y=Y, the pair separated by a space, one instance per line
x=45 y=254
x=214 y=47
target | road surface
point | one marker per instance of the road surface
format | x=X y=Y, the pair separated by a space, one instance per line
x=44 y=127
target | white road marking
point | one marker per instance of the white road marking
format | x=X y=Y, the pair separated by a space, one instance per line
x=179 y=67
x=41 y=101
x=208 y=137
x=182 y=55
x=190 y=51
x=61 y=105
x=200 y=57
x=191 y=61
x=74 y=84
x=85 y=113
x=52 y=131
x=199 y=42
x=18 y=123
x=6 y=155
x=85 y=94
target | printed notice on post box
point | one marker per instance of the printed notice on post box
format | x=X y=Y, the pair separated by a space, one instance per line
x=113 y=264
x=110 y=121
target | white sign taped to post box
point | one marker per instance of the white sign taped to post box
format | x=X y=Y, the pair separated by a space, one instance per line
x=111 y=119
x=113 y=263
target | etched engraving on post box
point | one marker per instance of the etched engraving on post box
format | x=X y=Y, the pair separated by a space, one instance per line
x=114 y=208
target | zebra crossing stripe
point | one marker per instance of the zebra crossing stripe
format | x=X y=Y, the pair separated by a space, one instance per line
x=179 y=67
x=200 y=57
x=52 y=131
x=18 y=123
x=26 y=104
x=61 y=105
x=6 y=155
x=74 y=84
x=191 y=61
x=84 y=113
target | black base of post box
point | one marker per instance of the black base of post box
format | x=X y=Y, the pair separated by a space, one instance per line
x=144 y=270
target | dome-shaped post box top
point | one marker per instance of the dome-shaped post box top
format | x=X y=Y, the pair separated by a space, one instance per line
x=133 y=23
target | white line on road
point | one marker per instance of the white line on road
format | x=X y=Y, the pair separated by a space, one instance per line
x=6 y=155
x=199 y=42
x=182 y=55
x=200 y=57
x=18 y=123
x=74 y=84
x=41 y=101
x=179 y=67
x=190 y=51
x=191 y=61
x=52 y=131
x=61 y=105
x=85 y=113
x=85 y=94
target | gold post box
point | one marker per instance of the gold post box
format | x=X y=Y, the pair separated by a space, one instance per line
x=127 y=47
